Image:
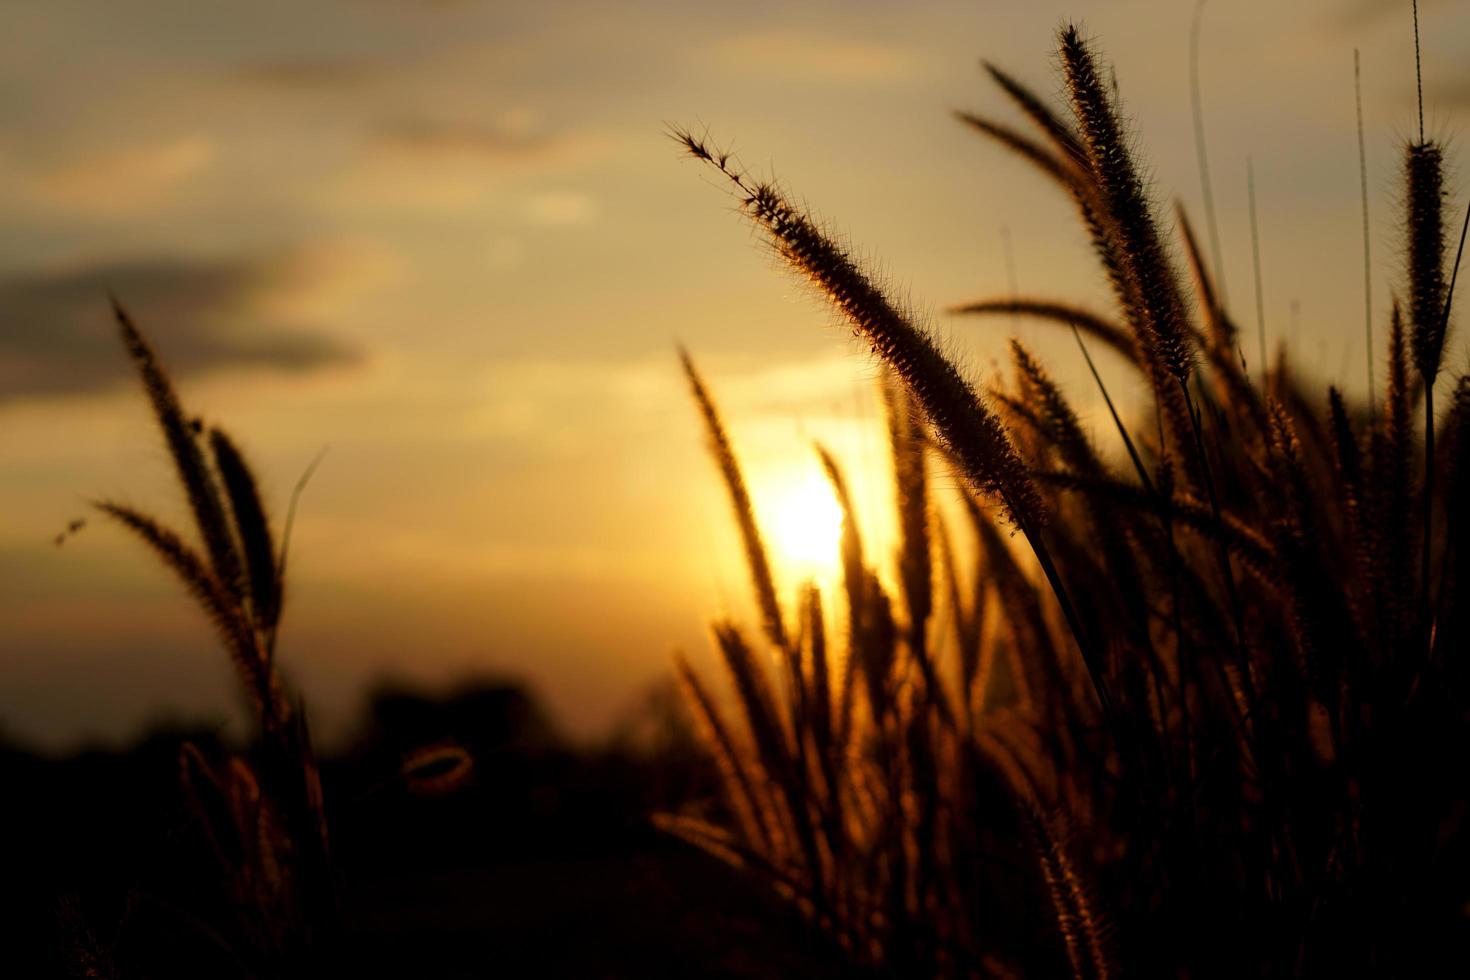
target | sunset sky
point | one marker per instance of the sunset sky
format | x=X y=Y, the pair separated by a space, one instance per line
x=452 y=242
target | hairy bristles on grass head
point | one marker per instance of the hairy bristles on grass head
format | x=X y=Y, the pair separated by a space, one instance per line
x=915 y=552
x=755 y=549
x=1164 y=332
x=855 y=584
x=817 y=672
x=1082 y=929
x=852 y=542
x=1429 y=306
x=1062 y=135
x=1050 y=407
x=179 y=433
x=1399 y=397
x=1425 y=195
x=876 y=653
x=1130 y=213
x=1286 y=449
x=1020 y=418
x=751 y=812
x=757 y=697
x=1068 y=165
x=911 y=482
x=949 y=402
x=1147 y=292
x=252 y=529
x=1063 y=171
x=777 y=739
x=963 y=615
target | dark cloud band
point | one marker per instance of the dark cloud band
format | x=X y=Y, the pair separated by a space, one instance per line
x=57 y=335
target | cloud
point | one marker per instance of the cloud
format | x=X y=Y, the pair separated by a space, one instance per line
x=791 y=57
x=560 y=208
x=559 y=405
x=58 y=337
x=311 y=75
x=509 y=140
x=125 y=179
x=438 y=163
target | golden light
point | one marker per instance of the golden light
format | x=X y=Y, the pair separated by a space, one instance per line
x=803 y=523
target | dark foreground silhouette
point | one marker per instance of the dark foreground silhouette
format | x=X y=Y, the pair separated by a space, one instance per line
x=469 y=839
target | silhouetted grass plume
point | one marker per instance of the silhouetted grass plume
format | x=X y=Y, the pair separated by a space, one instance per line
x=262 y=812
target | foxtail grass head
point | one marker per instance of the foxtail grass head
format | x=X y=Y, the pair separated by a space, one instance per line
x=1425 y=234
x=1127 y=211
x=953 y=407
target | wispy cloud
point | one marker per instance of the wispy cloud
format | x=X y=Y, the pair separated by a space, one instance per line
x=443 y=163
x=312 y=75
x=795 y=57
x=126 y=179
x=499 y=141
x=204 y=316
x=560 y=208
x=549 y=402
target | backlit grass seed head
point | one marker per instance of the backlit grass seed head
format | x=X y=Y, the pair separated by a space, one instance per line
x=1424 y=176
x=1124 y=196
x=912 y=503
x=750 y=811
x=1046 y=401
x=1064 y=171
x=1063 y=135
x=762 y=579
x=252 y=529
x=181 y=435
x=953 y=407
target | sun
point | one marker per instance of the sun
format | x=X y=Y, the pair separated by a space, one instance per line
x=804 y=524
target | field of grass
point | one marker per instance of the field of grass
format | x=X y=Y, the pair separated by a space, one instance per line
x=1199 y=711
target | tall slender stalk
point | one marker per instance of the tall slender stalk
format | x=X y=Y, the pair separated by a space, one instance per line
x=1367 y=237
